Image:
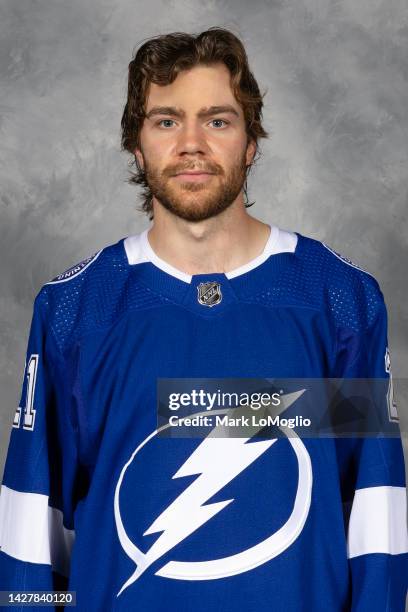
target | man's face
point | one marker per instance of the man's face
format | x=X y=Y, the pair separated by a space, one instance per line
x=181 y=132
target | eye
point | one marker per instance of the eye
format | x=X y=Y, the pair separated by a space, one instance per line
x=161 y=121
x=222 y=120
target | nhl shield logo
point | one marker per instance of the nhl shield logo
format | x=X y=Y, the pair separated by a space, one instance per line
x=209 y=294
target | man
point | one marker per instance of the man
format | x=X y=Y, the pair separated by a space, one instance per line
x=135 y=520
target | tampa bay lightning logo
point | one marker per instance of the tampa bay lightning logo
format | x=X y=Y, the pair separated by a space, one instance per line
x=214 y=463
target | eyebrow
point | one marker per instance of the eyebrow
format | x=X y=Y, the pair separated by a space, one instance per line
x=202 y=113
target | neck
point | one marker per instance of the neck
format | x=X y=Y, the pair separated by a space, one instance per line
x=219 y=244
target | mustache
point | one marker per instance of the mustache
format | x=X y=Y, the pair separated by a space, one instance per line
x=212 y=169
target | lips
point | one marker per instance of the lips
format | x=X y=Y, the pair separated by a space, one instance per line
x=195 y=172
x=193 y=176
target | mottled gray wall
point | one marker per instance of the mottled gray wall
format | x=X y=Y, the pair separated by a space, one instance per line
x=334 y=168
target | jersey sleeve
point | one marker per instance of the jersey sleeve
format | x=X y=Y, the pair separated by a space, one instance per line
x=373 y=479
x=40 y=475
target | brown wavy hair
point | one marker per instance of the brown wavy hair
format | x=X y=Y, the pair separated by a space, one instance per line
x=160 y=59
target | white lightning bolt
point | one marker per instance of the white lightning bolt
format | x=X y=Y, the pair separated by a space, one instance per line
x=217 y=461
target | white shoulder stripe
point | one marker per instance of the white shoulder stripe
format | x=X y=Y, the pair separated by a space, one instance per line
x=75 y=270
x=345 y=260
x=378 y=522
x=31 y=530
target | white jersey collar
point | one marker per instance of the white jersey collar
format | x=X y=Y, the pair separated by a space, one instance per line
x=139 y=250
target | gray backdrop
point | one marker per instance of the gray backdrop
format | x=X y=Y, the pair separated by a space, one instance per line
x=334 y=167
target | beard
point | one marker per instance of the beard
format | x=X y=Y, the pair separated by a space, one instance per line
x=196 y=201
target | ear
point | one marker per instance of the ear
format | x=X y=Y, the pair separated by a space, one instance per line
x=139 y=157
x=250 y=152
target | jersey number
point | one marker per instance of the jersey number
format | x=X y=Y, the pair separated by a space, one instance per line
x=29 y=412
x=392 y=406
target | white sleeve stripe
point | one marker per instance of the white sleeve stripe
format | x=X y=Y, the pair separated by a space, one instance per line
x=31 y=530
x=378 y=522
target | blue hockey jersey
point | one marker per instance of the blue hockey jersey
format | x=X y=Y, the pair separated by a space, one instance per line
x=95 y=501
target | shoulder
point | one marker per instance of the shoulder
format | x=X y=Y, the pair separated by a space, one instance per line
x=350 y=293
x=84 y=295
x=88 y=272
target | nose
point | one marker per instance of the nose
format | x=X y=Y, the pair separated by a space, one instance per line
x=191 y=139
